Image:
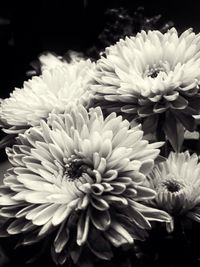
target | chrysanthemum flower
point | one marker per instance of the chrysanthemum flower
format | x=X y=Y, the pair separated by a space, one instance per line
x=80 y=176
x=54 y=89
x=152 y=76
x=50 y=61
x=178 y=185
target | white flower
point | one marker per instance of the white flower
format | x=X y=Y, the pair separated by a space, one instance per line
x=177 y=183
x=53 y=90
x=50 y=61
x=152 y=77
x=80 y=176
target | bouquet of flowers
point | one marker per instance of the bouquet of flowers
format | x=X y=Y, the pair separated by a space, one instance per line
x=100 y=169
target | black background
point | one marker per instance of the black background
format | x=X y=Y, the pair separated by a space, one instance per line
x=28 y=28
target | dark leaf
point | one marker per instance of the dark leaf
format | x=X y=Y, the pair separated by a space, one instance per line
x=150 y=123
x=179 y=103
x=174 y=131
x=75 y=253
x=145 y=111
x=99 y=245
x=8 y=140
x=186 y=119
x=160 y=107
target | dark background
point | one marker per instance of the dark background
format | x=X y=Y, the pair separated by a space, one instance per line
x=28 y=28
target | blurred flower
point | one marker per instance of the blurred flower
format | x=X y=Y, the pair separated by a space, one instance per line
x=50 y=61
x=153 y=78
x=178 y=185
x=80 y=176
x=53 y=90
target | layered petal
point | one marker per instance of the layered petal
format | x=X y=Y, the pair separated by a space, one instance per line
x=79 y=174
x=58 y=85
x=177 y=184
x=151 y=75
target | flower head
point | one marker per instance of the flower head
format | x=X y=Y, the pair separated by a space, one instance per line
x=177 y=184
x=80 y=176
x=152 y=76
x=50 y=61
x=53 y=90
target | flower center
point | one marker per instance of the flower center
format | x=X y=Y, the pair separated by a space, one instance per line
x=75 y=168
x=173 y=185
x=153 y=71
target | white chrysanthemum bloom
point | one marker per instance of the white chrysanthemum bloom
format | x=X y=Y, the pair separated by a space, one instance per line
x=53 y=90
x=151 y=76
x=50 y=61
x=81 y=177
x=177 y=184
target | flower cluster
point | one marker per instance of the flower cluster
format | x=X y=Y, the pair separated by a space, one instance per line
x=84 y=173
x=77 y=168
